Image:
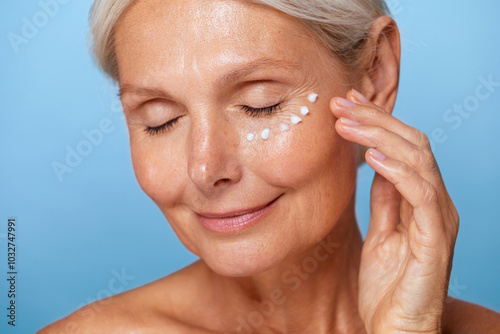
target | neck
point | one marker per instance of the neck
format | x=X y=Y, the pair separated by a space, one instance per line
x=311 y=292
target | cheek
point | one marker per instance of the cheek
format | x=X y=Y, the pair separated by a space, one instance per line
x=308 y=151
x=157 y=168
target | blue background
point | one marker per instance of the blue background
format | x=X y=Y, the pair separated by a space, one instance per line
x=75 y=235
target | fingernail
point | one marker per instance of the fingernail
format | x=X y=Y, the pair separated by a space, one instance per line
x=360 y=97
x=377 y=154
x=348 y=122
x=341 y=102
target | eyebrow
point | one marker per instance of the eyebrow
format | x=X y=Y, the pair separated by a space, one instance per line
x=233 y=76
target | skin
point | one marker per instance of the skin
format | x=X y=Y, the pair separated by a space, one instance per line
x=304 y=265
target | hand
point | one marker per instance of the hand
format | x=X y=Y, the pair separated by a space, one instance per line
x=407 y=255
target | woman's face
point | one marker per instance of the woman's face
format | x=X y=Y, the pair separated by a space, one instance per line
x=201 y=64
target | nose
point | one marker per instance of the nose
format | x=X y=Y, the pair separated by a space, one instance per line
x=213 y=164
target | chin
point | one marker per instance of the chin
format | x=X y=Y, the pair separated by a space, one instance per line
x=241 y=258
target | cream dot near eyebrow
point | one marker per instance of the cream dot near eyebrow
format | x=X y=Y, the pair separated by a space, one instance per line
x=284 y=127
x=265 y=134
x=250 y=136
x=304 y=110
x=312 y=97
x=295 y=119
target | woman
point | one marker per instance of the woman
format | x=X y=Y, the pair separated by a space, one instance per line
x=246 y=120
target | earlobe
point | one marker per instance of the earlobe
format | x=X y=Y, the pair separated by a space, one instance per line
x=380 y=80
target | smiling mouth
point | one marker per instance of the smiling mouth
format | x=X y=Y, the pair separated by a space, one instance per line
x=233 y=221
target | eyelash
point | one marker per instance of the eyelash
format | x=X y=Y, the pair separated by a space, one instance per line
x=257 y=112
x=158 y=130
x=254 y=112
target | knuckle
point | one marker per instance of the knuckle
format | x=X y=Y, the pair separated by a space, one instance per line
x=415 y=157
x=456 y=216
x=405 y=172
x=423 y=140
x=452 y=237
x=378 y=132
x=376 y=135
x=429 y=194
x=426 y=157
x=371 y=113
x=455 y=219
x=452 y=216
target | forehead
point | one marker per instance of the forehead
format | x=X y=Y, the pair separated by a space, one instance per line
x=200 y=37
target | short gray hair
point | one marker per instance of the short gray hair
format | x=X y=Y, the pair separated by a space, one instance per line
x=341 y=25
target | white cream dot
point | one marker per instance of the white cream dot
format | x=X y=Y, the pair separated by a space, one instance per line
x=304 y=110
x=295 y=119
x=265 y=134
x=250 y=136
x=312 y=97
x=284 y=127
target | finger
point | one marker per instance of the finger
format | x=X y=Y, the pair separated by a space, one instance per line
x=419 y=159
x=371 y=114
x=398 y=148
x=360 y=109
x=408 y=145
x=385 y=203
x=420 y=193
x=394 y=146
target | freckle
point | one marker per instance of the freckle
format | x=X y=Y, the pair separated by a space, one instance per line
x=284 y=127
x=250 y=136
x=304 y=110
x=312 y=97
x=265 y=134
x=295 y=119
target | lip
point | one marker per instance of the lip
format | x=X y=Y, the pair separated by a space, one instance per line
x=234 y=221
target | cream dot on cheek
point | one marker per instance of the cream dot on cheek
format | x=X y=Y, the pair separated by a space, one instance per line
x=304 y=110
x=312 y=97
x=284 y=127
x=265 y=134
x=295 y=119
x=250 y=136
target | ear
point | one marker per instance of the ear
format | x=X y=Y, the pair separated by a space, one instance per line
x=380 y=80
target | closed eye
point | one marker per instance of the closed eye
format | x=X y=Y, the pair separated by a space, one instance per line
x=257 y=112
x=254 y=112
x=158 y=130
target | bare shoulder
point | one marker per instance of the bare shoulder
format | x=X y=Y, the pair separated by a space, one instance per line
x=146 y=309
x=462 y=317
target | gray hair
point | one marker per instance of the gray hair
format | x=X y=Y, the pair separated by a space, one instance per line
x=341 y=25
